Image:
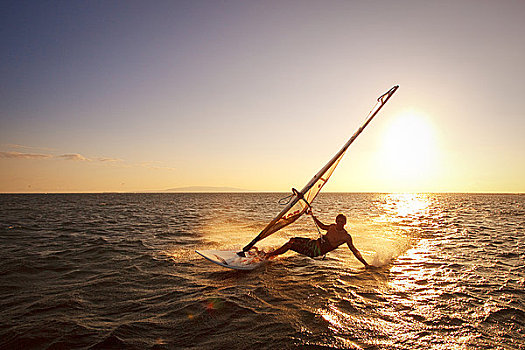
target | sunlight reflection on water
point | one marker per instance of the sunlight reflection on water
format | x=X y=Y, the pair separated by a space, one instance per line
x=400 y=206
x=418 y=300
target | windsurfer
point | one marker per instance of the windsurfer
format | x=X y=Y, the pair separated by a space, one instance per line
x=334 y=237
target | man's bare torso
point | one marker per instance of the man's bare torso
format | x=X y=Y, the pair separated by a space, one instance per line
x=336 y=237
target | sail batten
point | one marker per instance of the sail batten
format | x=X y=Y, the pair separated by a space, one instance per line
x=301 y=200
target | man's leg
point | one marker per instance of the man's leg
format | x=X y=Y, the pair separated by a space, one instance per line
x=281 y=250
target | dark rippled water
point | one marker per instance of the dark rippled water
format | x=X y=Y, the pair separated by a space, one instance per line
x=114 y=271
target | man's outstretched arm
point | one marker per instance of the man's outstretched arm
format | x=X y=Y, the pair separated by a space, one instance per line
x=356 y=252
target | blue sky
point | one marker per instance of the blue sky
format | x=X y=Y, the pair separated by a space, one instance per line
x=259 y=95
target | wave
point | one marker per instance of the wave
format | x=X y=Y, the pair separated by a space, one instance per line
x=78 y=274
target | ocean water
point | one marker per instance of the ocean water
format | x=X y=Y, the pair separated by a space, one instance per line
x=119 y=271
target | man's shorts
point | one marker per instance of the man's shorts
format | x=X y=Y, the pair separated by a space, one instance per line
x=306 y=246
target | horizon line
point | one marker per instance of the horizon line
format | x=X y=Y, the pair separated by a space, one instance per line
x=256 y=192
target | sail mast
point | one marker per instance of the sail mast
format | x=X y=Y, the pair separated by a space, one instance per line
x=289 y=214
x=381 y=102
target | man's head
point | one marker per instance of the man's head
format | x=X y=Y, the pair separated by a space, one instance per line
x=340 y=220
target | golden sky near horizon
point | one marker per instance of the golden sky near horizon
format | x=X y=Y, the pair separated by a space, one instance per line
x=130 y=96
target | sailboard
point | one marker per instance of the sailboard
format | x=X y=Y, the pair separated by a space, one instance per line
x=300 y=201
x=231 y=260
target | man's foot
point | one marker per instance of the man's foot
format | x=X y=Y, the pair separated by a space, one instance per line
x=268 y=256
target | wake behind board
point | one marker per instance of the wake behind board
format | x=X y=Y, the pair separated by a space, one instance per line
x=230 y=259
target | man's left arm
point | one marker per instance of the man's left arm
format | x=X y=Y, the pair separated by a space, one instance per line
x=356 y=252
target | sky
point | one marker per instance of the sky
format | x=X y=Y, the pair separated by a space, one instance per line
x=129 y=96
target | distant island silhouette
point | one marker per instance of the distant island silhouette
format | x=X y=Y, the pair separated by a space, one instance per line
x=205 y=189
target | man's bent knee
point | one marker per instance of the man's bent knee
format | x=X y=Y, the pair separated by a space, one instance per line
x=292 y=241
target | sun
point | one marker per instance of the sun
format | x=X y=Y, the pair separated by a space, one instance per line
x=409 y=153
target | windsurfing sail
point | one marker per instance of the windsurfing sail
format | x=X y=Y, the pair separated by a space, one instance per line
x=301 y=200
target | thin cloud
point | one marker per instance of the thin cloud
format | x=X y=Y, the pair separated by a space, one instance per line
x=75 y=157
x=27 y=148
x=19 y=155
x=109 y=160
